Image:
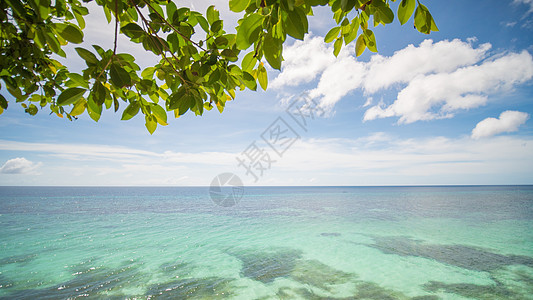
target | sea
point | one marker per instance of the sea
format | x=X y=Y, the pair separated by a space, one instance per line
x=426 y=242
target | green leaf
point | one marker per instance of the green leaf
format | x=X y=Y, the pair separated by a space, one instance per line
x=150 y=124
x=70 y=96
x=352 y=34
x=32 y=109
x=78 y=79
x=148 y=73
x=160 y=114
x=217 y=26
x=212 y=14
x=347 y=5
x=94 y=110
x=79 y=107
x=174 y=100
x=69 y=32
x=185 y=103
x=87 y=55
x=52 y=41
x=248 y=31
x=99 y=50
x=360 y=45
x=295 y=23
x=35 y=98
x=262 y=77
x=229 y=54
x=238 y=5
x=332 y=34
x=424 y=21
x=132 y=30
x=386 y=14
x=79 y=18
x=3 y=102
x=171 y=9
x=337 y=46
x=273 y=51
x=203 y=23
x=405 y=10
x=248 y=62
x=119 y=76
x=173 y=42
x=99 y=93
x=198 y=106
x=249 y=81
x=433 y=25
x=221 y=42
x=17 y=7
x=370 y=40
x=131 y=110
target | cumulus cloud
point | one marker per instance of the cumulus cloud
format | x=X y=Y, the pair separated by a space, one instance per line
x=304 y=61
x=508 y=121
x=19 y=165
x=427 y=58
x=434 y=80
x=439 y=95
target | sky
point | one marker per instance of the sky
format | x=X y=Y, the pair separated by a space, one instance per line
x=452 y=107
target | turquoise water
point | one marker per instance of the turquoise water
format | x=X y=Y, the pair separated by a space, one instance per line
x=277 y=243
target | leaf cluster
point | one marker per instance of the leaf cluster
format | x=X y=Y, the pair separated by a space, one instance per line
x=193 y=74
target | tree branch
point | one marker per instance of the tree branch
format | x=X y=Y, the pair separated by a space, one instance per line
x=116 y=27
x=172 y=26
x=146 y=23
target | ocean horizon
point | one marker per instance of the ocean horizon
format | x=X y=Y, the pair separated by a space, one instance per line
x=273 y=242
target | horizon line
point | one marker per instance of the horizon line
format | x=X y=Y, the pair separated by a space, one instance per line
x=263 y=186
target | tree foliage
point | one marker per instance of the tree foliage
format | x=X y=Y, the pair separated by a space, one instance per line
x=199 y=66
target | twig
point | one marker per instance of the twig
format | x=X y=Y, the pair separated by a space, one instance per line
x=172 y=26
x=146 y=23
x=116 y=27
x=114 y=43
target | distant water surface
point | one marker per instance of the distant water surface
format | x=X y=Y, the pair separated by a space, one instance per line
x=453 y=242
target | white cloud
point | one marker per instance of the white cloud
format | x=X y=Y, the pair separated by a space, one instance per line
x=439 y=95
x=434 y=80
x=19 y=165
x=509 y=24
x=304 y=60
x=427 y=58
x=526 y=2
x=116 y=165
x=508 y=121
x=79 y=151
x=378 y=158
x=381 y=159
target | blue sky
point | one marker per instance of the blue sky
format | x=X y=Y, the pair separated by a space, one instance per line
x=452 y=107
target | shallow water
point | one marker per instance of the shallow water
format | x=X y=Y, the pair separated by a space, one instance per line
x=277 y=243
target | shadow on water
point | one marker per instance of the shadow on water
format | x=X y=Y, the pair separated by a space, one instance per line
x=466 y=257
x=288 y=275
x=315 y=280
x=24 y=258
x=332 y=234
x=88 y=283
x=195 y=288
x=105 y=283
x=266 y=266
x=508 y=283
x=361 y=290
